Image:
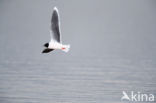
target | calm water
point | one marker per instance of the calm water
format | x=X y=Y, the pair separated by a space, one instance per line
x=75 y=80
x=112 y=50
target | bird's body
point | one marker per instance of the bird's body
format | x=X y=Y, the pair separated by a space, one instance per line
x=55 y=42
x=56 y=45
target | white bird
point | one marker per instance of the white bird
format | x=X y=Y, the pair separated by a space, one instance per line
x=55 y=42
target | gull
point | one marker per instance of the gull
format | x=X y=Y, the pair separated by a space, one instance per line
x=55 y=34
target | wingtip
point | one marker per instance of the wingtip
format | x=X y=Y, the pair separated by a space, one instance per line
x=55 y=8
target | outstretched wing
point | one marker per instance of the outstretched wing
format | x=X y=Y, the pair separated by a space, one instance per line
x=55 y=26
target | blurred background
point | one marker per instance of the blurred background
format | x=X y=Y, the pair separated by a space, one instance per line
x=113 y=49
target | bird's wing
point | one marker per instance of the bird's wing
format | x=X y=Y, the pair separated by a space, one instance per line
x=55 y=26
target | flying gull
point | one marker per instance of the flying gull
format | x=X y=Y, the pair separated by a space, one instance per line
x=55 y=42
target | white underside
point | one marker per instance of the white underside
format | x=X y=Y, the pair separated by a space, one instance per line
x=56 y=45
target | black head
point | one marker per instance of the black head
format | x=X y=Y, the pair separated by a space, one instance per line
x=46 y=45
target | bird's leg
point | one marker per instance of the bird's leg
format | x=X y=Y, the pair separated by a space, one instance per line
x=63 y=48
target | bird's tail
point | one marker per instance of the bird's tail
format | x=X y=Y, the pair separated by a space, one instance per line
x=65 y=48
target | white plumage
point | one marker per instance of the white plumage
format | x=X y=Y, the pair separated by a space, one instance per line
x=55 y=42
